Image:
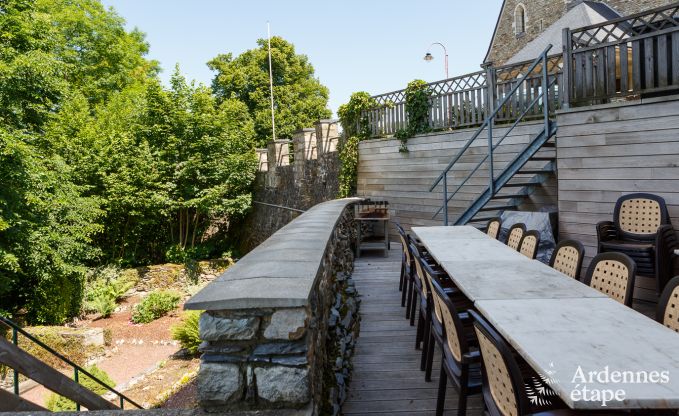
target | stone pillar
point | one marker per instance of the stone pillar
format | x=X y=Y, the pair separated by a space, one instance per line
x=278 y=154
x=327 y=136
x=262 y=159
x=254 y=358
x=304 y=145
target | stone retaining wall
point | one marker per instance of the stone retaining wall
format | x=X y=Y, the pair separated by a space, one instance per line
x=279 y=325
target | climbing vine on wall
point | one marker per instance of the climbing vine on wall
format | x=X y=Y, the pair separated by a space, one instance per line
x=418 y=95
x=356 y=128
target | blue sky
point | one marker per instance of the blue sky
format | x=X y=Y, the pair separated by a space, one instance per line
x=371 y=45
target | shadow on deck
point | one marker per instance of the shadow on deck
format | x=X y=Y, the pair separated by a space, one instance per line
x=387 y=377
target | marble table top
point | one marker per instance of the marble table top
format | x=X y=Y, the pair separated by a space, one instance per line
x=514 y=279
x=463 y=244
x=633 y=360
x=449 y=233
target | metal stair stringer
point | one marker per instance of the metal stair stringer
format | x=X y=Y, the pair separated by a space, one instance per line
x=508 y=173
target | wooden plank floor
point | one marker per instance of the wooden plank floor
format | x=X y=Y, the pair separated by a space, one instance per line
x=387 y=377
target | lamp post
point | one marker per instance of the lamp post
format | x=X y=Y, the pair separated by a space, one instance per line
x=429 y=57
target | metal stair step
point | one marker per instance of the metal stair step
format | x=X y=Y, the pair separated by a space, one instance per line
x=520 y=184
x=535 y=171
x=497 y=208
x=549 y=144
x=508 y=196
x=543 y=158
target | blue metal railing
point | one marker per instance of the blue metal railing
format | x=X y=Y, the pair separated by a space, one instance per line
x=488 y=124
x=77 y=370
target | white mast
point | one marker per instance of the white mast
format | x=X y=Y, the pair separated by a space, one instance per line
x=273 y=118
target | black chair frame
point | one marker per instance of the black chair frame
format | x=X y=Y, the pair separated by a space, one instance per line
x=578 y=246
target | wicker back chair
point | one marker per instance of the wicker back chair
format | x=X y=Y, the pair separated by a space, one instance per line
x=641 y=229
x=668 y=306
x=423 y=291
x=506 y=375
x=515 y=235
x=434 y=331
x=406 y=263
x=567 y=258
x=504 y=378
x=452 y=330
x=529 y=244
x=493 y=227
x=612 y=274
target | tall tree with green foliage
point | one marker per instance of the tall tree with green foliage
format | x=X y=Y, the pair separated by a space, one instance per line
x=46 y=231
x=59 y=59
x=51 y=47
x=206 y=156
x=299 y=97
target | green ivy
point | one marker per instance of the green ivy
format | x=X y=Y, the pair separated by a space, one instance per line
x=418 y=95
x=348 y=174
x=356 y=128
x=352 y=115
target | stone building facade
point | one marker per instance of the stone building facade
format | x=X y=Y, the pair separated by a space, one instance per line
x=521 y=21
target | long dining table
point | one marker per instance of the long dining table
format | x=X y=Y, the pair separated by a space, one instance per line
x=595 y=352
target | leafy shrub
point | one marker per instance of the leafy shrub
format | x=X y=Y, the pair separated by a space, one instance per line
x=105 y=289
x=57 y=403
x=71 y=347
x=186 y=332
x=155 y=305
x=356 y=127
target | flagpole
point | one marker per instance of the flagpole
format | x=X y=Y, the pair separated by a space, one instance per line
x=273 y=118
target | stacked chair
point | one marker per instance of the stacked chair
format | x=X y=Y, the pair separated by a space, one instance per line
x=642 y=230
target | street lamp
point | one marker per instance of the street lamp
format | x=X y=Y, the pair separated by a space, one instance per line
x=429 y=57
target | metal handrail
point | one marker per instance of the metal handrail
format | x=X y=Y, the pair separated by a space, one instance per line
x=488 y=122
x=278 y=206
x=489 y=118
x=16 y=329
x=495 y=146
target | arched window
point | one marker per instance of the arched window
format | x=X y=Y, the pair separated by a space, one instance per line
x=520 y=19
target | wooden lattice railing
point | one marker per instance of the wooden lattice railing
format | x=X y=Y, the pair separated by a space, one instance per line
x=455 y=102
x=464 y=102
x=631 y=56
x=506 y=77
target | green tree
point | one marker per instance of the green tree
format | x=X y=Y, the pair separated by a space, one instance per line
x=51 y=47
x=46 y=233
x=60 y=61
x=205 y=153
x=299 y=97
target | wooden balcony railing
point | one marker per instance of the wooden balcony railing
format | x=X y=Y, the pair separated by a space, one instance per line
x=464 y=102
x=635 y=55
x=455 y=102
x=631 y=56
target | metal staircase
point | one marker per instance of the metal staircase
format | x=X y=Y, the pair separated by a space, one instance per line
x=519 y=177
x=21 y=362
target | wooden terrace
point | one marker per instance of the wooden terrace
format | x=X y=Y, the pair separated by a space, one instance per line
x=387 y=378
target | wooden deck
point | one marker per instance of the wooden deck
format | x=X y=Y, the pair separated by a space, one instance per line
x=387 y=377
